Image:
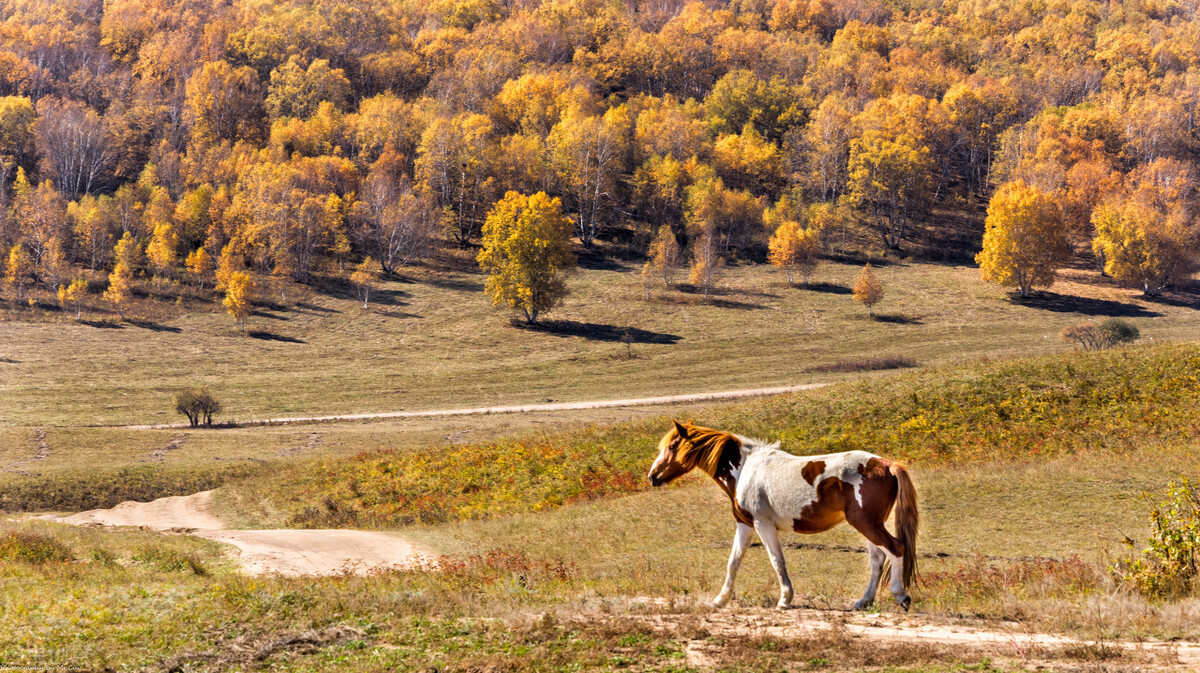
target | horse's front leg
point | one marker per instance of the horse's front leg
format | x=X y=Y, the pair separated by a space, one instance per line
x=741 y=538
x=770 y=539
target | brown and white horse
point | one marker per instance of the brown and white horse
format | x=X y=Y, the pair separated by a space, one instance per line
x=772 y=490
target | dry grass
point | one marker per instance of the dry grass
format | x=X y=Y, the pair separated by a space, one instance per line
x=435 y=342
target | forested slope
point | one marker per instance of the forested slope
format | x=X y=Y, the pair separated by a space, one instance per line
x=295 y=138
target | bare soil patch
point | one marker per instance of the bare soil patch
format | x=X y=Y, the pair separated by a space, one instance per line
x=261 y=552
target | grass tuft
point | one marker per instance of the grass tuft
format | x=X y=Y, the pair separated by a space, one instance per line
x=33 y=548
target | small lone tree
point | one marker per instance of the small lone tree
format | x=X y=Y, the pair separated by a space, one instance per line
x=706 y=264
x=1116 y=332
x=198 y=404
x=526 y=252
x=664 y=254
x=868 y=289
x=363 y=279
x=72 y=295
x=239 y=296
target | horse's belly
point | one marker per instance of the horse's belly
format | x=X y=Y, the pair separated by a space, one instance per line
x=818 y=522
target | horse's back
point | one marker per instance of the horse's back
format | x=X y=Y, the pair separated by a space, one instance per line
x=793 y=489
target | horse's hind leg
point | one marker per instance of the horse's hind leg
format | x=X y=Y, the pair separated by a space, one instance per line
x=770 y=539
x=879 y=536
x=877 y=556
x=741 y=539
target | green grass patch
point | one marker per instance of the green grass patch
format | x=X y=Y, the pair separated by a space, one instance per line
x=1033 y=408
x=79 y=490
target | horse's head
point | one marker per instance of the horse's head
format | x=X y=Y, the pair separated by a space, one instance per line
x=667 y=467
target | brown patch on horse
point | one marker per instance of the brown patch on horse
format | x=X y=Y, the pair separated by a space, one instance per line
x=812 y=470
x=878 y=492
x=827 y=511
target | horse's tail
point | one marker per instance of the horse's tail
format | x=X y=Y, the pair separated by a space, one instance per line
x=907 y=521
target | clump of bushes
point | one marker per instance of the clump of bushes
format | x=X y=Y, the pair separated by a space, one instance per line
x=1167 y=566
x=33 y=548
x=866 y=364
x=1111 y=332
x=197 y=404
x=169 y=560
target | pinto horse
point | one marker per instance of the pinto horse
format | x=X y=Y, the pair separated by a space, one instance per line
x=771 y=490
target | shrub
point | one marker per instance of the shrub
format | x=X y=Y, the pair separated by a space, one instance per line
x=33 y=548
x=197 y=404
x=1111 y=332
x=1115 y=332
x=169 y=560
x=1167 y=566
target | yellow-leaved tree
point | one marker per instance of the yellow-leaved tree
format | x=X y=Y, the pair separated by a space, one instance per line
x=793 y=247
x=239 y=296
x=363 y=278
x=1142 y=246
x=161 y=250
x=1024 y=239
x=18 y=270
x=72 y=295
x=200 y=264
x=526 y=252
x=120 y=281
x=664 y=254
x=868 y=289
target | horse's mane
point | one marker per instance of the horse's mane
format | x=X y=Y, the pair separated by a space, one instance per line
x=704 y=448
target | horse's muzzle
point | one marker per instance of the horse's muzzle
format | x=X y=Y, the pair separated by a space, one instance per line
x=655 y=481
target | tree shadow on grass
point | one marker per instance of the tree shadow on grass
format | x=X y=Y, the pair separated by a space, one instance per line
x=271 y=336
x=313 y=308
x=828 y=288
x=457 y=284
x=153 y=326
x=9 y=361
x=1061 y=303
x=102 y=324
x=898 y=319
x=263 y=313
x=597 y=332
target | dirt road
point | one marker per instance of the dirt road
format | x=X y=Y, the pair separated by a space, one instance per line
x=518 y=409
x=283 y=552
x=1006 y=640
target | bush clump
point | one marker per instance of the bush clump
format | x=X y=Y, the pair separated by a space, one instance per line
x=1167 y=566
x=197 y=404
x=1111 y=332
x=33 y=548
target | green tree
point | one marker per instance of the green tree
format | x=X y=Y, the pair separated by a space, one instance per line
x=526 y=252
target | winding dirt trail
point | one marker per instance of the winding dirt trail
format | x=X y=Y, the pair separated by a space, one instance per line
x=1008 y=640
x=282 y=552
x=517 y=409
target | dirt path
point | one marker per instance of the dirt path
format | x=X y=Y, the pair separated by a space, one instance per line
x=518 y=409
x=283 y=552
x=1010 y=640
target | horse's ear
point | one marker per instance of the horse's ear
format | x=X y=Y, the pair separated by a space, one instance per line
x=680 y=430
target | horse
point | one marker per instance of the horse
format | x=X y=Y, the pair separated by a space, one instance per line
x=771 y=490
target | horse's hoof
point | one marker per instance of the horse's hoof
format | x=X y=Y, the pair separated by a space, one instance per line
x=905 y=602
x=783 y=606
x=720 y=602
x=862 y=604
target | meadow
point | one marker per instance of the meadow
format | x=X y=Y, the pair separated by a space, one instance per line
x=566 y=560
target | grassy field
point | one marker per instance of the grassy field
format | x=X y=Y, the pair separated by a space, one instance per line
x=573 y=577
x=435 y=342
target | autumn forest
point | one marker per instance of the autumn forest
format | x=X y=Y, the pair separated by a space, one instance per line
x=195 y=143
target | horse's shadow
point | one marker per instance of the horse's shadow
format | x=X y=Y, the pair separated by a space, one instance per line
x=598 y=332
